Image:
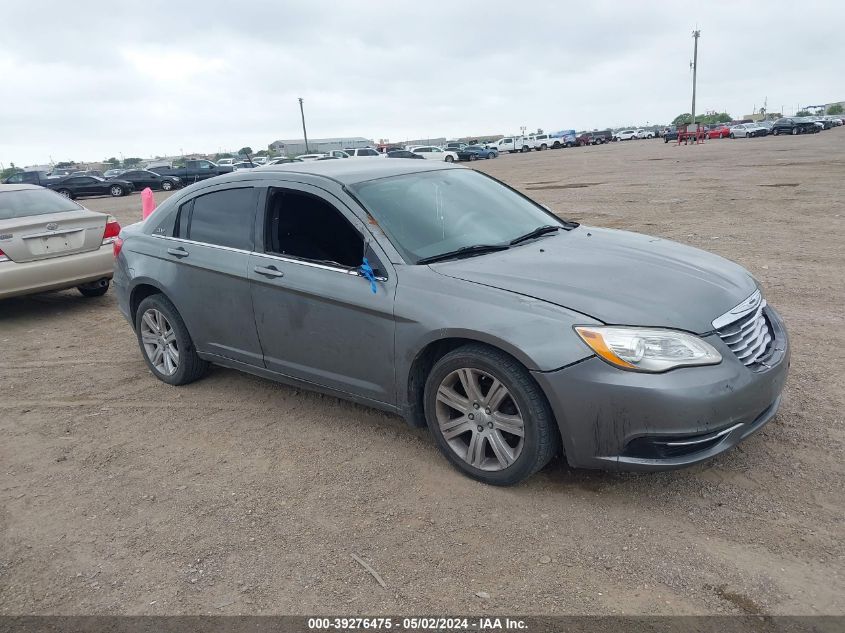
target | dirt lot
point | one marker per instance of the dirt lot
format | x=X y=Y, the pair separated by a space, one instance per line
x=119 y=494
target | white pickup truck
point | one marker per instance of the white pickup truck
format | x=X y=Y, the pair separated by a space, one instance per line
x=512 y=144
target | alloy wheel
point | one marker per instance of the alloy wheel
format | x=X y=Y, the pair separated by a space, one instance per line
x=116 y=191
x=479 y=419
x=159 y=340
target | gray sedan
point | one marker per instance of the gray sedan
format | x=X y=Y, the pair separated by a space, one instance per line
x=442 y=295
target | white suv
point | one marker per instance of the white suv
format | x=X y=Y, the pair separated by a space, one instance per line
x=625 y=135
x=359 y=152
x=431 y=152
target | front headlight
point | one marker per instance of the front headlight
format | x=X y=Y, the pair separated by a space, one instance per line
x=647 y=349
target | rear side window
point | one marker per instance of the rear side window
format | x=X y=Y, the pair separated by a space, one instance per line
x=224 y=218
x=28 y=202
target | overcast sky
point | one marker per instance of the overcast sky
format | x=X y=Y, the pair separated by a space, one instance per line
x=89 y=80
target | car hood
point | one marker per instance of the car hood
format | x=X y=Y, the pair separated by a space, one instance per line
x=617 y=277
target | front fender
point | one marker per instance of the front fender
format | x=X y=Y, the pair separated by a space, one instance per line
x=430 y=307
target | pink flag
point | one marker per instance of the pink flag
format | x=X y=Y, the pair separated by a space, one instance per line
x=148 y=203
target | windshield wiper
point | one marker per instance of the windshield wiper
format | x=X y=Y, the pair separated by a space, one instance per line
x=464 y=251
x=540 y=230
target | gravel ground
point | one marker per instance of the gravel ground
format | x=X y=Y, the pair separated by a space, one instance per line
x=122 y=495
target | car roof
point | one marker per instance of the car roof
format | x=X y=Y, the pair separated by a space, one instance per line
x=348 y=172
x=17 y=187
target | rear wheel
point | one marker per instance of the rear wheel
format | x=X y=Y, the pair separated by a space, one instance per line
x=775 y=132
x=449 y=159
x=116 y=191
x=165 y=342
x=65 y=192
x=732 y=135
x=544 y=147
x=166 y=185
x=488 y=416
x=473 y=157
x=794 y=130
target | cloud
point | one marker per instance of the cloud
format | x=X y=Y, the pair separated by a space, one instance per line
x=93 y=79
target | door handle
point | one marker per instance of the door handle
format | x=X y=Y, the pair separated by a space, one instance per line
x=178 y=252
x=269 y=271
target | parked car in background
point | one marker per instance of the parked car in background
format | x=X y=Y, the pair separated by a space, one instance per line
x=243 y=165
x=584 y=138
x=474 y=152
x=766 y=124
x=625 y=135
x=61 y=172
x=643 y=133
x=747 y=130
x=29 y=178
x=226 y=162
x=143 y=178
x=362 y=152
x=542 y=142
x=48 y=242
x=509 y=144
x=307 y=157
x=193 y=171
x=84 y=186
x=481 y=314
x=562 y=138
x=260 y=160
x=403 y=153
x=670 y=134
x=432 y=152
x=792 y=125
x=834 y=119
x=719 y=130
x=454 y=146
x=602 y=136
x=111 y=173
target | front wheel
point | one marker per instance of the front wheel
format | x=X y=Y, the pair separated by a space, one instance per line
x=732 y=135
x=165 y=343
x=488 y=416
x=166 y=185
x=775 y=132
x=473 y=157
x=65 y=192
x=449 y=159
x=794 y=131
x=116 y=191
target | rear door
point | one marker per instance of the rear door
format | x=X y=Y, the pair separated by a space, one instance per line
x=39 y=224
x=205 y=267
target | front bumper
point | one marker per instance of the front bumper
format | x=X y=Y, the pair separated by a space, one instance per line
x=55 y=273
x=619 y=420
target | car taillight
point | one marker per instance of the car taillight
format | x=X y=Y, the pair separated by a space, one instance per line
x=116 y=245
x=112 y=230
x=3 y=256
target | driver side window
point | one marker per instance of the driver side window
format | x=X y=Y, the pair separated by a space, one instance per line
x=307 y=227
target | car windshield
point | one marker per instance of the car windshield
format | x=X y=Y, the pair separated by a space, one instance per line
x=435 y=212
x=26 y=202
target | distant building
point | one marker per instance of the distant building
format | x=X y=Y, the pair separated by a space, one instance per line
x=294 y=147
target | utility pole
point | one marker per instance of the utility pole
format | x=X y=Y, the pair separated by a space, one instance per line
x=304 y=133
x=695 y=34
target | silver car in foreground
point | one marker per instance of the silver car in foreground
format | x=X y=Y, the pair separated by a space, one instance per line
x=49 y=242
x=442 y=295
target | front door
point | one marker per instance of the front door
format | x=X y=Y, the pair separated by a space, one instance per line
x=317 y=319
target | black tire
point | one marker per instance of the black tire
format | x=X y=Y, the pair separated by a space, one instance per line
x=541 y=436
x=191 y=367
x=473 y=157
x=166 y=185
x=556 y=145
x=544 y=147
x=732 y=135
x=116 y=191
x=775 y=132
x=96 y=289
x=449 y=159
x=65 y=192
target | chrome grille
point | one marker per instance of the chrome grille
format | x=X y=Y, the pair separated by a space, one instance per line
x=750 y=337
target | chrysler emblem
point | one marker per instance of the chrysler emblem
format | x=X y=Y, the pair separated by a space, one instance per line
x=52 y=226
